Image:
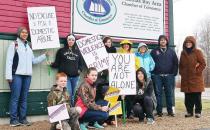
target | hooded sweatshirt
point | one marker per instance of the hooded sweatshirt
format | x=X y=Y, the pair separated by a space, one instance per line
x=69 y=61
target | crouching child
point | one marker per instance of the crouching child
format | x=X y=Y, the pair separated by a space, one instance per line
x=59 y=95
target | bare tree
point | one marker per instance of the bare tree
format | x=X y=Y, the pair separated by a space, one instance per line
x=203 y=36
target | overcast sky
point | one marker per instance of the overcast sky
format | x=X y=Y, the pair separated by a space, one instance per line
x=187 y=15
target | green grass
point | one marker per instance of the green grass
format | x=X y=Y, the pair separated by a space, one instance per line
x=180 y=104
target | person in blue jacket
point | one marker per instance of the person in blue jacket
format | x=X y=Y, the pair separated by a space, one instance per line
x=19 y=62
x=145 y=59
x=163 y=76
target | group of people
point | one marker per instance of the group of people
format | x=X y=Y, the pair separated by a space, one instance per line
x=155 y=74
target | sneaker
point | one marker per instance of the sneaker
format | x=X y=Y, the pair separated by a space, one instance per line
x=188 y=115
x=25 y=123
x=83 y=126
x=14 y=123
x=150 y=121
x=171 y=114
x=197 y=115
x=96 y=125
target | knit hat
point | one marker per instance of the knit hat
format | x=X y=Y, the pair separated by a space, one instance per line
x=71 y=37
x=19 y=30
x=126 y=42
x=142 y=44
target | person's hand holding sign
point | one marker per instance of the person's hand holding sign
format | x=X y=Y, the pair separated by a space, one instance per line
x=104 y=108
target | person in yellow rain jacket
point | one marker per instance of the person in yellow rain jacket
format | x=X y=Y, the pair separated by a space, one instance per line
x=126 y=47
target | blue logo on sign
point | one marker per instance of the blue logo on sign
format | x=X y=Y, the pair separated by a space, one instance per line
x=97 y=11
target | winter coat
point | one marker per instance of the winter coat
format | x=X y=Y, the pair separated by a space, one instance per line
x=85 y=97
x=146 y=62
x=56 y=97
x=69 y=61
x=165 y=62
x=25 y=59
x=191 y=76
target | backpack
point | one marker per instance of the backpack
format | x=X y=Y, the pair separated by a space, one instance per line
x=15 y=59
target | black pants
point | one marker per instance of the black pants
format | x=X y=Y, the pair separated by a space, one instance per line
x=129 y=104
x=145 y=106
x=191 y=100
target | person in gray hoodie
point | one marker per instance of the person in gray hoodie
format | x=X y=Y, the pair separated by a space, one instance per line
x=19 y=62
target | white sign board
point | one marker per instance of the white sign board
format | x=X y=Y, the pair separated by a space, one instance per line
x=94 y=52
x=43 y=27
x=134 y=19
x=122 y=74
x=58 y=113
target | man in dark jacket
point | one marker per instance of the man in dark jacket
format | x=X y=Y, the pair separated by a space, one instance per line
x=166 y=67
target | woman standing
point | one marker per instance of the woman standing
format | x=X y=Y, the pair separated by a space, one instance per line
x=68 y=60
x=144 y=57
x=191 y=66
x=19 y=62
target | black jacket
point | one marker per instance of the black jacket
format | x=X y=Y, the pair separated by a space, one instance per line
x=165 y=62
x=68 y=61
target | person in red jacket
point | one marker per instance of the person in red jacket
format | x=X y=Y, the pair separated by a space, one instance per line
x=85 y=99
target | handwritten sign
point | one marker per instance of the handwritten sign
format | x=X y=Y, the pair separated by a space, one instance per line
x=43 y=27
x=122 y=73
x=58 y=113
x=112 y=94
x=115 y=108
x=93 y=51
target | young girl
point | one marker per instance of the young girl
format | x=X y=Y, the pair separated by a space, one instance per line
x=69 y=60
x=144 y=101
x=191 y=66
x=85 y=98
x=59 y=95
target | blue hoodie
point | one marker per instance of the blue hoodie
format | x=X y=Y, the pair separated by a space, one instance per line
x=146 y=60
x=26 y=59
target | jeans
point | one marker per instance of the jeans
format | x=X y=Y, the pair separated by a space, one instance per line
x=166 y=83
x=71 y=86
x=95 y=115
x=18 y=100
x=145 y=106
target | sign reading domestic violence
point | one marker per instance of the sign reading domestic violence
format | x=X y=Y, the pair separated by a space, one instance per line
x=133 y=19
x=43 y=27
x=94 y=52
x=58 y=113
x=122 y=73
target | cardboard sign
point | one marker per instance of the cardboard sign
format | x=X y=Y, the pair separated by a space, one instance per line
x=122 y=73
x=112 y=94
x=115 y=108
x=94 y=52
x=43 y=27
x=58 y=113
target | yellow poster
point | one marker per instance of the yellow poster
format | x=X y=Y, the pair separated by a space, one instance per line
x=112 y=94
x=115 y=108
